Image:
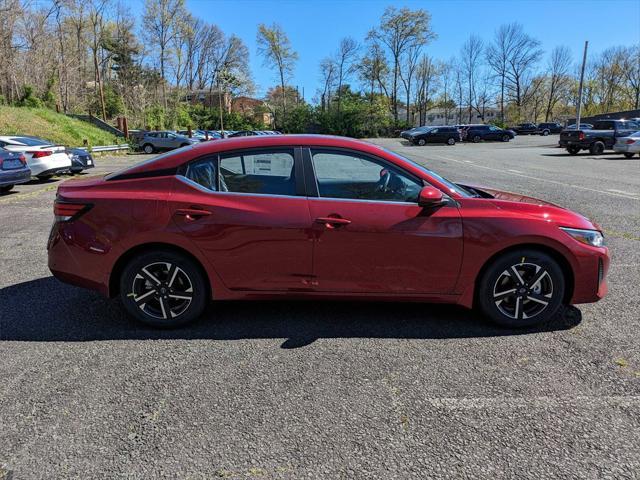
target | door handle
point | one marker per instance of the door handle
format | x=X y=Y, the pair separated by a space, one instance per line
x=333 y=222
x=192 y=213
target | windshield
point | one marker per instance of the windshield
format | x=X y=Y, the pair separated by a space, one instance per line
x=454 y=188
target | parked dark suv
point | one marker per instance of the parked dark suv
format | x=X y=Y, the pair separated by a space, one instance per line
x=525 y=128
x=547 y=128
x=476 y=133
x=448 y=135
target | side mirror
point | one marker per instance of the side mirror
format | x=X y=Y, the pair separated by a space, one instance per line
x=430 y=197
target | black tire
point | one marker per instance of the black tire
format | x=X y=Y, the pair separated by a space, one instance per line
x=526 y=303
x=545 y=133
x=161 y=276
x=476 y=139
x=43 y=178
x=6 y=188
x=506 y=138
x=629 y=155
x=451 y=141
x=596 y=148
x=422 y=142
x=573 y=150
x=148 y=148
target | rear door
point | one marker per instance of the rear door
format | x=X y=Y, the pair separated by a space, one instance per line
x=248 y=213
x=371 y=235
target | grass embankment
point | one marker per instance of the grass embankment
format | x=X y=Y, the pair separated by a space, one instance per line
x=45 y=123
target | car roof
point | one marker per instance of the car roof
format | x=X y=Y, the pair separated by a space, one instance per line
x=178 y=157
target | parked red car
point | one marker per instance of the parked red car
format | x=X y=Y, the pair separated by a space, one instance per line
x=316 y=217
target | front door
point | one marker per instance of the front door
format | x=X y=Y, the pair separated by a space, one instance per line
x=247 y=213
x=371 y=235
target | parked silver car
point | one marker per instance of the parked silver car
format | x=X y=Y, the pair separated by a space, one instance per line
x=629 y=145
x=165 y=140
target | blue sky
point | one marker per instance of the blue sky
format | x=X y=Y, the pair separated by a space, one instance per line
x=315 y=27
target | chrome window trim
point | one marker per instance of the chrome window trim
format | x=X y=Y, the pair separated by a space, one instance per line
x=188 y=181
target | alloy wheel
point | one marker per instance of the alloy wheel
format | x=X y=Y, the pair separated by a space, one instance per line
x=523 y=291
x=162 y=290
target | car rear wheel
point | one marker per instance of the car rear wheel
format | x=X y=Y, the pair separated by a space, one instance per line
x=148 y=148
x=45 y=177
x=163 y=289
x=597 y=148
x=6 y=188
x=451 y=141
x=505 y=138
x=629 y=155
x=476 y=139
x=521 y=288
x=422 y=142
x=545 y=133
x=573 y=150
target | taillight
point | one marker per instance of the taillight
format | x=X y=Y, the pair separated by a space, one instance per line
x=64 y=211
x=630 y=142
x=41 y=153
x=580 y=135
x=23 y=159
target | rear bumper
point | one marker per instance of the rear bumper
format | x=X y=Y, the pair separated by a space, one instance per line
x=49 y=165
x=626 y=148
x=14 y=177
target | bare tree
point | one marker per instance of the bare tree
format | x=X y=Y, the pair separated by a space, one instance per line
x=275 y=47
x=426 y=80
x=398 y=31
x=374 y=69
x=159 y=23
x=344 y=62
x=631 y=69
x=558 y=78
x=410 y=63
x=328 y=75
x=470 y=63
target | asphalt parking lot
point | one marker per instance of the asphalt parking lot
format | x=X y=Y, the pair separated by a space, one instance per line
x=329 y=390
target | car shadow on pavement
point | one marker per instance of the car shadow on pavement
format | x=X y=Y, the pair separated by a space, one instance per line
x=46 y=310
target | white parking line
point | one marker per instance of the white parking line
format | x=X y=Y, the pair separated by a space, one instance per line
x=620 y=191
x=604 y=192
x=515 y=171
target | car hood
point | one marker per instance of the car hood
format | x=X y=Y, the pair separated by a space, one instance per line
x=540 y=209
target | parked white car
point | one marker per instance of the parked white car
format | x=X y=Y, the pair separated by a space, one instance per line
x=629 y=145
x=43 y=158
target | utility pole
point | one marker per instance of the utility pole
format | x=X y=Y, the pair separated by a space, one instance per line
x=584 y=62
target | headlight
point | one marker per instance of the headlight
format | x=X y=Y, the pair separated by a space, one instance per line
x=588 y=237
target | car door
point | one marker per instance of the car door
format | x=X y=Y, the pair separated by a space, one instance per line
x=370 y=234
x=247 y=213
x=434 y=135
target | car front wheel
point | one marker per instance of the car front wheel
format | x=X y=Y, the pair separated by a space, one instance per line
x=422 y=142
x=451 y=141
x=597 y=148
x=148 y=149
x=545 y=133
x=629 y=155
x=506 y=138
x=5 y=188
x=476 y=139
x=521 y=288
x=163 y=289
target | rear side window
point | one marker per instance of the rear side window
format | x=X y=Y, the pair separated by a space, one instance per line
x=269 y=173
x=203 y=172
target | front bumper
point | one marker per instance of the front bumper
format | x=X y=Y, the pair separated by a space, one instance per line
x=590 y=274
x=14 y=177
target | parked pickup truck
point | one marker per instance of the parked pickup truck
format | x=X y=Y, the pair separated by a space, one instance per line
x=602 y=137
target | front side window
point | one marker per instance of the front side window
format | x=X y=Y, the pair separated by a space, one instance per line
x=270 y=173
x=351 y=176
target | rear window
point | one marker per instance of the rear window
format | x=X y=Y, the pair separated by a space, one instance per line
x=31 y=141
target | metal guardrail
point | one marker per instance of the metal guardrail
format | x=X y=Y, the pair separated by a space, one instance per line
x=110 y=148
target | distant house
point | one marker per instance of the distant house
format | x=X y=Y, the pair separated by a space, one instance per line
x=253 y=107
x=246 y=106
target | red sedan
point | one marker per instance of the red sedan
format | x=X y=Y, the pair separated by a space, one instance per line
x=317 y=217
